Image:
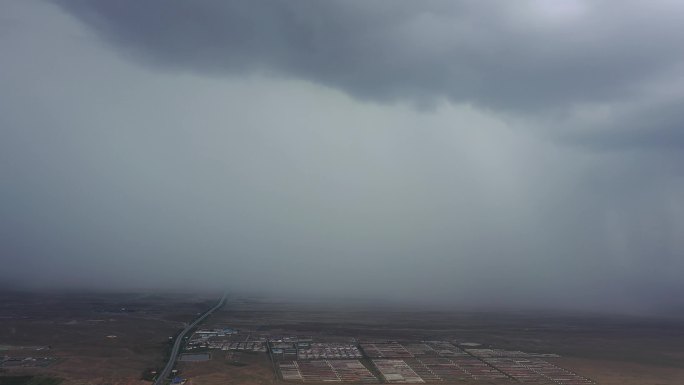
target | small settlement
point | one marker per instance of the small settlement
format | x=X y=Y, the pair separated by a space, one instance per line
x=303 y=359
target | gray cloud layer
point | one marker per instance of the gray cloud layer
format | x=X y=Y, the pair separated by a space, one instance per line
x=550 y=176
x=494 y=53
x=530 y=56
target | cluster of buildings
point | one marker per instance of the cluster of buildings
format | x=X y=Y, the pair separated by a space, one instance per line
x=288 y=347
x=252 y=346
x=386 y=350
x=224 y=339
x=222 y=332
x=319 y=350
x=302 y=360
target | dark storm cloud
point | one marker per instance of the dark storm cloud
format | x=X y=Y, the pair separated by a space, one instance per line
x=523 y=55
x=657 y=126
x=231 y=158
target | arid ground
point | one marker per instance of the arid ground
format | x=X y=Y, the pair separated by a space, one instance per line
x=119 y=339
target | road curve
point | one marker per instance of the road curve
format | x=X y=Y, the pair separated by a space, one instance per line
x=164 y=374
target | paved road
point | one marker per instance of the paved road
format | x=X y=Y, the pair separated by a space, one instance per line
x=163 y=376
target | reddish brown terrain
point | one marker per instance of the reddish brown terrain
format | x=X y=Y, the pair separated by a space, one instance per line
x=93 y=338
x=120 y=339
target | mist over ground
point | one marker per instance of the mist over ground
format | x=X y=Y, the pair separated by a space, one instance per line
x=523 y=154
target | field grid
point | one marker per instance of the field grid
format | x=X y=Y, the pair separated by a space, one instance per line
x=536 y=371
x=397 y=371
x=420 y=349
x=352 y=371
x=438 y=369
x=386 y=350
x=424 y=362
x=477 y=369
x=526 y=368
x=326 y=371
x=329 y=351
x=446 y=349
x=289 y=371
x=516 y=371
x=557 y=374
x=432 y=369
x=411 y=349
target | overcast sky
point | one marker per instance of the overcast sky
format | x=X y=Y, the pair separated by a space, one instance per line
x=496 y=153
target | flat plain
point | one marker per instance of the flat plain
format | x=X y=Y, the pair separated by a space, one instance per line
x=118 y=339
x=93 y=338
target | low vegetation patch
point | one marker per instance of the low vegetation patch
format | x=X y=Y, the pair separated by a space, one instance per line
x=29 y=380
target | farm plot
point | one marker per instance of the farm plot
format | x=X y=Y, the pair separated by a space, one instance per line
x=397 y=371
